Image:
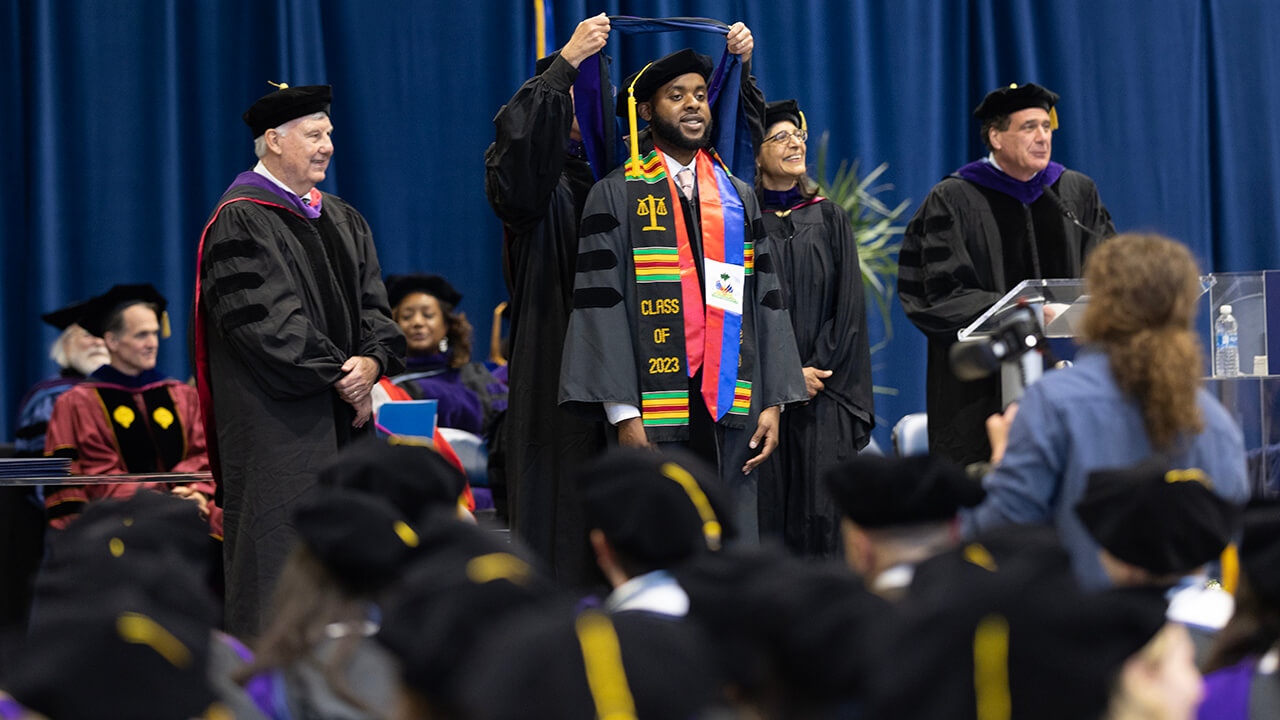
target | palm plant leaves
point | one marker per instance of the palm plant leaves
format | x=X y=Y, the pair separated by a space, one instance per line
x=876 y=227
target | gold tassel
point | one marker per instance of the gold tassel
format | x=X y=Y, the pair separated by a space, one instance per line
x=631 y=118
x=991 y=668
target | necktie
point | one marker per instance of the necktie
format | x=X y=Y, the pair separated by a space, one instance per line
x=684 y=179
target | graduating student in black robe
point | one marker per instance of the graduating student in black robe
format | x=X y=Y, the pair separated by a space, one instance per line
x=292 y=330
x=642 y=310
x=986 y=227
x=816 y=257
x=536 y=179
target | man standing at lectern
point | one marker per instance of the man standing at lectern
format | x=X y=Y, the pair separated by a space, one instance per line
x=1009 y=217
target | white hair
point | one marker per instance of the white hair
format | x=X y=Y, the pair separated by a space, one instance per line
x=58 y=353
x=260 y=142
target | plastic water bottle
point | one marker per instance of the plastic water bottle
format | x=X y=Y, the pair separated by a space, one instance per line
x=1226 y=338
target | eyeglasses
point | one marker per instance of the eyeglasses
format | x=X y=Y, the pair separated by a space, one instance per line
x=781 y=137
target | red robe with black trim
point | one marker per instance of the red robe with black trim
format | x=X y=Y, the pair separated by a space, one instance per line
x=85 y=429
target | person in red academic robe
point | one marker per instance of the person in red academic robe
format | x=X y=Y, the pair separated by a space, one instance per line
x=127 y=417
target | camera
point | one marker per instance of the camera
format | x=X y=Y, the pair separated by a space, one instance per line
x=1017 y=334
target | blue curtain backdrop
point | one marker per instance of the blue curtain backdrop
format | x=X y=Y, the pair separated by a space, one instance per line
x=120 y=125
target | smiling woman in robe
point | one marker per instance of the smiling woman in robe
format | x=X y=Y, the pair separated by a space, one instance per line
x=817 y=259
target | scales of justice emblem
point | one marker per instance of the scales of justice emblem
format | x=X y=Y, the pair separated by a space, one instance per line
x=652 y=207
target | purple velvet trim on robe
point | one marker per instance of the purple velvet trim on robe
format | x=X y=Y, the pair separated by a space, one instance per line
x=260 y=181
x=1226 y=692
x=10 y=708
x=782 y=200
x=459 y=406
x=983 y=173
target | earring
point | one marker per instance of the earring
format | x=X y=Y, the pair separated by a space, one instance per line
x=444 y=344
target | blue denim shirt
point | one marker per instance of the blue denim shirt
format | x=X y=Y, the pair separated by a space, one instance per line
x=1077 y=420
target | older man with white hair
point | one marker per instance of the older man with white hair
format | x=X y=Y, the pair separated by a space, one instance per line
x=292 y=331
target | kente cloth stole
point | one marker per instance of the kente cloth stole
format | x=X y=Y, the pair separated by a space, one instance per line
x=681 y=327
x=142 y=441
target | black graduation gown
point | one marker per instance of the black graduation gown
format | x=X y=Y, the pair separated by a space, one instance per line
x=600 y=354
x=538 y=190
x=816 y=257
x=269 y=306
x=962 y=251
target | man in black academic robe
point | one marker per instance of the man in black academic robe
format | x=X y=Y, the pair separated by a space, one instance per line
x=536 y=179
x=292 y=331
x=993 y=223
x=660 y=292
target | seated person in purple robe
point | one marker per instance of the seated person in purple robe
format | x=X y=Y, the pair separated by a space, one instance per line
x=439 y=363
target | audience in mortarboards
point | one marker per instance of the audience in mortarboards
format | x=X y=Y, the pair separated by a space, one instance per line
x=999 y=625
x=316 y=656
x=358 y=534
x=127 y=417
x=123 y=619
x=453 y=600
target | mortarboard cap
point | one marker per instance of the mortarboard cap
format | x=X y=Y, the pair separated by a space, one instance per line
x=779 y=110
x=1260 y=549
x=653 y=76
x=399 y=286
x=877 y=491
x=1014 y=97
x=361 y=539
x=464 y=583
x=100 y=309
x=410 y=477
x=279 y=107
x=592 y=664
x=148 y=522
x=126 y=650
x=65 y=316
x=1161 y=520
x=655 y=507
x=783 y=628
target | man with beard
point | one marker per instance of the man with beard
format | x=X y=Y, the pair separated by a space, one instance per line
x=679 y=331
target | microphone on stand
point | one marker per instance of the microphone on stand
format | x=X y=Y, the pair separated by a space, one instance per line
x=1066 y=212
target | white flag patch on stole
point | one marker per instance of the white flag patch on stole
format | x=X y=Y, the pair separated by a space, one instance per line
x=724 y=286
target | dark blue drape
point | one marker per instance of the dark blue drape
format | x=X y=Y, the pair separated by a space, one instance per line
x=120 y=125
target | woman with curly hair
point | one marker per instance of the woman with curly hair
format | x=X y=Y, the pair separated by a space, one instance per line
x=1134 y=392
x=439 y=363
